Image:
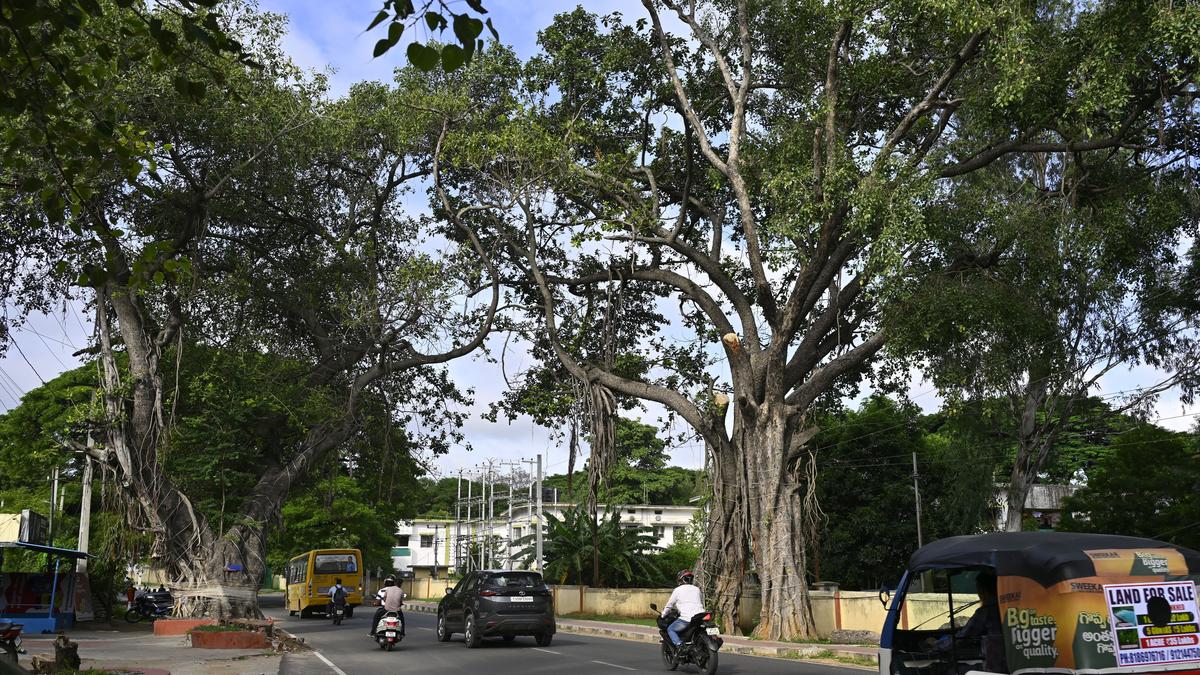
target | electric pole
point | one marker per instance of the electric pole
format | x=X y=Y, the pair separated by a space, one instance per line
x=53 y=503
x=85 y=509
x=538 y=550
x=917 y=492
x=458 y=524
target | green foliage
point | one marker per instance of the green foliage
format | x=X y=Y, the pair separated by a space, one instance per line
x=865 y=491
x=567 y=550
x=234 y=413
x=339 y=512
x=437 y=497
x=29 y=433
x=467 y=29
x=639 y=475
x=1148 y=486
x=680 y=555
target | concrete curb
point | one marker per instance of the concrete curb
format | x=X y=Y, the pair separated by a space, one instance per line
x=806 y=651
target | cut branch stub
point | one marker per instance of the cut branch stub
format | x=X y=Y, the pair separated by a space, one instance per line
x=731 y=342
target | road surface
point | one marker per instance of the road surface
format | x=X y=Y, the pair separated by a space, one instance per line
x=346 y=650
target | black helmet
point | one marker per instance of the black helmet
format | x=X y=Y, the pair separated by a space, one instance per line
x=684 y=577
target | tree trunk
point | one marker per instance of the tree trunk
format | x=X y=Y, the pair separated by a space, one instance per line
x=1032 y=447
x=223 y=583
x=212 y=576
x=1019 y=485
x=780 y=524
x=723 y=555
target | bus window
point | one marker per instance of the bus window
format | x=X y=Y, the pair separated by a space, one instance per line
x=334 y=563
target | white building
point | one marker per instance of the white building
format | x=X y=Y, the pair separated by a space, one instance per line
x=427 y=547
x=1044 y=504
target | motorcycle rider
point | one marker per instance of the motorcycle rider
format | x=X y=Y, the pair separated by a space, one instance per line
x=337 y=595
x=688 y=600
x=390 y=599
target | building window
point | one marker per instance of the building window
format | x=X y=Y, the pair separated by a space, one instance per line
x=402 y=540
x=427 y=541
x=658 y=512
x=658 y=531
x=633 y=512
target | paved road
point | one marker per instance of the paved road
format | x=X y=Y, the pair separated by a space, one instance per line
x=347 y=650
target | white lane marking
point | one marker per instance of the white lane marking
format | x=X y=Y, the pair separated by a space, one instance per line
x=424 y=628
x=329 y=663
x=606 y=663
x=548 y=651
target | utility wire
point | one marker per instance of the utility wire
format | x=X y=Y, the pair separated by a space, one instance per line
x=27 y=362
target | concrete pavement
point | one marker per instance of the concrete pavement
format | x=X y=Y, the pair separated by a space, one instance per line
x=136 y=647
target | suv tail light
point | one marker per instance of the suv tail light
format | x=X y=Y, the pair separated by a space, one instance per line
x=708 y=617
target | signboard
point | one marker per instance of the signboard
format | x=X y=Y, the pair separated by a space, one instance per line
x=35 y=529
x=1154 y=623
x=1068 y=625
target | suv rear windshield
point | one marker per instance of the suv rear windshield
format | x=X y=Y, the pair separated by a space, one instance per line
x=514 y=580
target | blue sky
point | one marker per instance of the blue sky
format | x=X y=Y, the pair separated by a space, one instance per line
x=329 y=35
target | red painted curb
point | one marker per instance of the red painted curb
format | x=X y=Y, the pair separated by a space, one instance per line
x=232 y=639
x=164 y=627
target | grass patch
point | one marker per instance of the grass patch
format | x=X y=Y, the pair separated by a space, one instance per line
x=609 y=618
x=220 y=628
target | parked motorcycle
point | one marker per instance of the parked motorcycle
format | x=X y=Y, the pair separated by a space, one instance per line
x=388 y=632
x=701 y=641
x=150 y=607
x=336 y=612
x=10 y=642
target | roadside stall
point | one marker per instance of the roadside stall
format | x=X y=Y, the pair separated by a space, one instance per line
x=1045 y=602
x=43 y=602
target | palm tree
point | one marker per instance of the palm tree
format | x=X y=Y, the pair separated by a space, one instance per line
x=567 y=550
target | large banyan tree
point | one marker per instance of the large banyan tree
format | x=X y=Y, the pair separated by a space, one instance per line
x=265 y=218
x=767 y=170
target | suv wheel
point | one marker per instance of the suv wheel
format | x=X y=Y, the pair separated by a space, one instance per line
x=443 y=633
x=543 y=639
x=471 y=634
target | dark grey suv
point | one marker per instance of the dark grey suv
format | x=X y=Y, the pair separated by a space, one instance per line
x=504 y=603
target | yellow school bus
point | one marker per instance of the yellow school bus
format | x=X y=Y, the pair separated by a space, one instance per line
x=310 y=576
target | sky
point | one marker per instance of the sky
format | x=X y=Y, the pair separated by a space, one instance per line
x=328 y=37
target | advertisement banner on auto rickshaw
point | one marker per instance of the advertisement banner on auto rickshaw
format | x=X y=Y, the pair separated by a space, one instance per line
x=1154 y=623
x=1069 y=625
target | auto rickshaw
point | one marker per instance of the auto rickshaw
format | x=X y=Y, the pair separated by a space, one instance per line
x=1066 y=603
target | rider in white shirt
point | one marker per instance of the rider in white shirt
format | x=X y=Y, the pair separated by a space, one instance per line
x=390 y=599
x=688 y=600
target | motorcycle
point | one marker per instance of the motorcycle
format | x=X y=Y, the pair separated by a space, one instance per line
x=387 y=633
x=701 y=641
x=146 y=607
x=337 y=613
x=10 y=642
